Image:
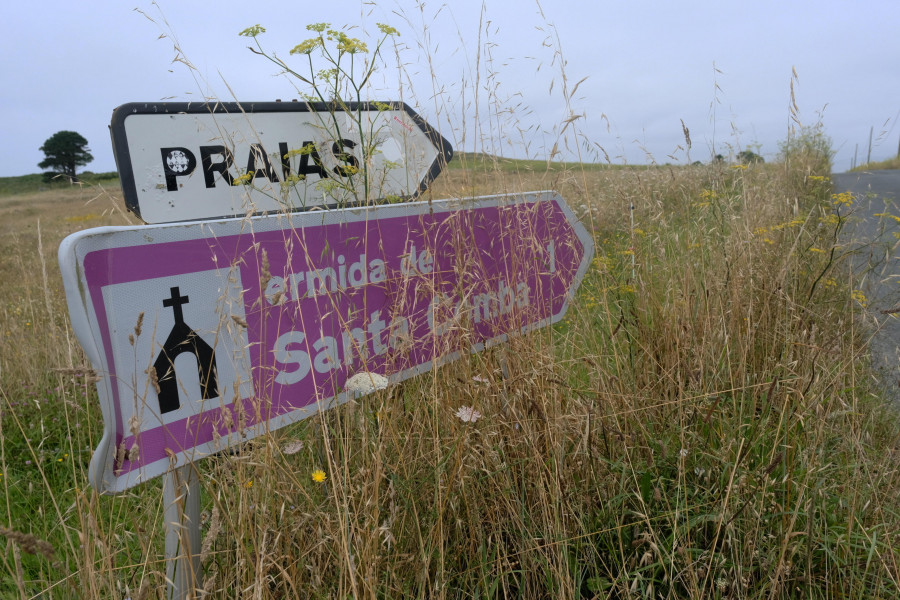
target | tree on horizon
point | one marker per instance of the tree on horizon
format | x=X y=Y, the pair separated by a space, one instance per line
x=65 y=150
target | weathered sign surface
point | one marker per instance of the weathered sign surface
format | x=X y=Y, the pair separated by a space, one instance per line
x=210 y=333
x=185 y=161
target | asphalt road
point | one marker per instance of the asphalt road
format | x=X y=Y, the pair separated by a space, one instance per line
x=875 y=265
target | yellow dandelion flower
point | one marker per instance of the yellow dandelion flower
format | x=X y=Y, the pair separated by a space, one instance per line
x=387 y=29
x=253 y=31
x=319 y=476
x=350 y=45
x=602 y=263
x=306 y=46
x=843 y=199
x=242 y=179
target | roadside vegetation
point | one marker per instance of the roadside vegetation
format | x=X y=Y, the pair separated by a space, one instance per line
x=702 y=424
x=891 y=163
x=38 y=182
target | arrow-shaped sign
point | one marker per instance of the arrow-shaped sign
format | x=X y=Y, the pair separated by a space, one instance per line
x=213 y=332
x=187 y=161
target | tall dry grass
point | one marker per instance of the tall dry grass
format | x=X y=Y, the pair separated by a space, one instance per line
x=701 y=425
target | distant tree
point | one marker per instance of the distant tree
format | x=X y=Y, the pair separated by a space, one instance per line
x=65 y=150
x=749 y=156
x=808 y=149
x=719 y=158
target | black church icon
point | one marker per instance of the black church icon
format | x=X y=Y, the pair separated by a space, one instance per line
x=183 y=339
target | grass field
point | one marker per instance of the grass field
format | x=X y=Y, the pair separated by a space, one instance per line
x=36 y=182
x=702 y=424
x=891 y=163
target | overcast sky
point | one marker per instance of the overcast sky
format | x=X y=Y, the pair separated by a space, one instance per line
x=723 y=68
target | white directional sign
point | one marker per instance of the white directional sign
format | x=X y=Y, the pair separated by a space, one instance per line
x=210 y=333
x=188 y=161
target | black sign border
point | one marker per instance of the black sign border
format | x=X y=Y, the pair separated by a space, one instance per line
x=126 y=170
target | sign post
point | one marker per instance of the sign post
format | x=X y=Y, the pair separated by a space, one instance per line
x=182 y=161
x=211 y=332
x=245 y=306
x=181 y=503
x=192 y=161
x=214 y=332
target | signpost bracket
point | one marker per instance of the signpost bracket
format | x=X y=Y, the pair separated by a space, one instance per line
x=181 y=499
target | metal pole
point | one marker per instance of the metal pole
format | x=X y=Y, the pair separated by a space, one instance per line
x=869 y=155
x=181 y=498
x=855 y=153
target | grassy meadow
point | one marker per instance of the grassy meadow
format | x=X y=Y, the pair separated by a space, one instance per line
x=702 y=424
x=891 y=163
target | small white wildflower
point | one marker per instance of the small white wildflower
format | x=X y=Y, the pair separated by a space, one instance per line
x=467 y=414
x=480 y=379
x=293 y=447
x=683 y=452
x=365 y=383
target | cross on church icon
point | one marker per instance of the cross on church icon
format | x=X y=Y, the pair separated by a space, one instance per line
x=183 y=339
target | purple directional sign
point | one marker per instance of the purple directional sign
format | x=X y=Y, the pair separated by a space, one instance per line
x=182 y=161
x=210 y=333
